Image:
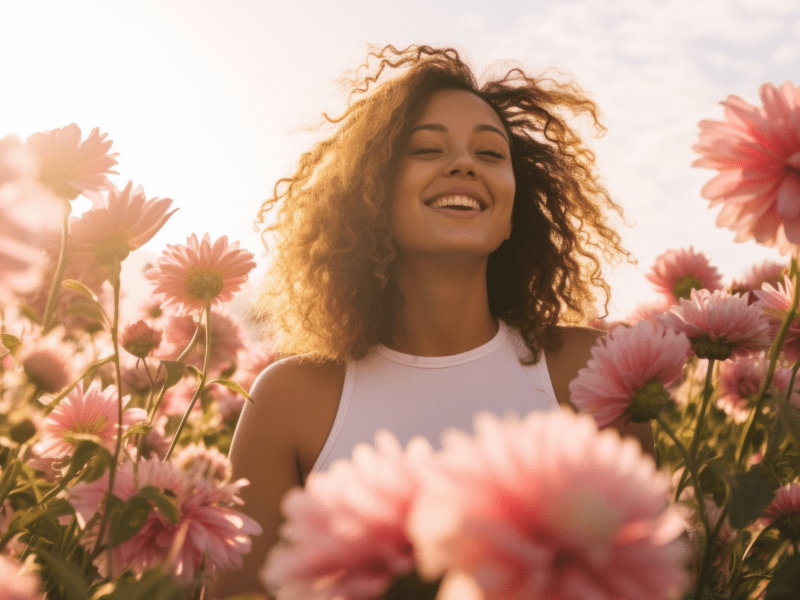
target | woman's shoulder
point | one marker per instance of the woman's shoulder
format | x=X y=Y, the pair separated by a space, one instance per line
x=564 y=363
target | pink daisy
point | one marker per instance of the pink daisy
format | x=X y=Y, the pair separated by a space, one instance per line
x=346 y=528
x=776 y=302
x=739 y=382
x=548 y=507
x=719 y=325
x=769 y=271
x=676 y=272
x=757 y=153
x=94 y=412
x=186 y=275
x=628 y=371
x=16 y=584
x=125 y=222
x=784 y=511
x=211 y=526
x=69 y=166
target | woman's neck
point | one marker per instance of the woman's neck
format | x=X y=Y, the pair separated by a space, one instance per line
x=446 y=310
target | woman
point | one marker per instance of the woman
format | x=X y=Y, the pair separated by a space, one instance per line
x=432 y=253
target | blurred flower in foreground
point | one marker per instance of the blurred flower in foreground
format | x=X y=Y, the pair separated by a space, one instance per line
x=677 y=272
x=94 y=412
x=549 y=507
x=206 y=521
x=719 y=325
x=123 y=221
x=757 y=153
x=769 y=271
x=17 y=586
x=186 y=275
x=68 y=166
x=347 y=526
x=784 y=511
x=628 y=371
x=776 y=302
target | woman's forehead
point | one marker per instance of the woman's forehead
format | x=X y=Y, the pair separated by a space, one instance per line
x=458 y=105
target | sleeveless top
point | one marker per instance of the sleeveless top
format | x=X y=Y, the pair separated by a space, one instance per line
x=419 y=395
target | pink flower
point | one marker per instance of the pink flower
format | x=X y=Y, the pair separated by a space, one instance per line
x=140 y=339
x=649 y=311
x=125 y=222
x=739 y=382
x=676 y=272
x=177 y=398
x=68 y=166
x=757 y=153
x=548 y=507
x=347 y=527
x=189 y=274
x=719 y=325
x=47 y=362
x=776 y=303
x=205 y=517
x=94 y=412
x=620 y=377
x=769 y=271
x=17 y=585
x=784 y=511
x=253 y=359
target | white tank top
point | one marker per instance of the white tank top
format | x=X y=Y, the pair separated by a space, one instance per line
x=419 y=395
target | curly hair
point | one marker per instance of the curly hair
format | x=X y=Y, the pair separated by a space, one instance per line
x=330 y=291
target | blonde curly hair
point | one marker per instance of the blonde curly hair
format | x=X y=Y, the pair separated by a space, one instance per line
x=330 y=290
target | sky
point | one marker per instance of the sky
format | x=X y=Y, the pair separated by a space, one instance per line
x=206 y=100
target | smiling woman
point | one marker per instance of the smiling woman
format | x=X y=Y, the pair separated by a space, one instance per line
x=429 y=253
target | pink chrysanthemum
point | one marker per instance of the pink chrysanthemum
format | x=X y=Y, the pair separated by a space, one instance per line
x=776 y=302
x=740 y=380
x=140 y=339
x=677 y=272
x=15 y=585
x=125 y=222
x=648 y=311
x=211 y=527
x=94 y=412
x=784 y=511
x=347 y=527
x=769 y=271
x=548 y=507
x=719 y=325
x=621 y=376
x=187 y=275
x=68 y=166
x=757 y=153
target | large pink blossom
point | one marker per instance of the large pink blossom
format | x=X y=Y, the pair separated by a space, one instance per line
x=548 y=507
x=622 y=367
x=17 y=585
x=784 y=511
x=124 y=222
x=676 y=272
x=719 y=325
x=757 y=153
x=205 y=516
x=187 y=275
x=69 y=166
x=94 y=411
x=346 y=528
x=776 y=302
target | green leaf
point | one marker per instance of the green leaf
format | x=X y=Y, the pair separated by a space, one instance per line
x=77 y=286
x=130 y=520
x=785 y=584
x=163 y=503
x=174 y=370
x=141 y=428
x=55 y=508
x=233 y=386
x=10 y=342
x=152 y=585
x=68 y=574
x=26 y=311
x=790 y=420
x=751 y=493
x=198 y=374
x=713 y=478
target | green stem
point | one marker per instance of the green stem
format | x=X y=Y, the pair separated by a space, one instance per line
x=773 y=359
x=737 y=576
x=708 y=557
x=206 y=320
x=707 y=389
x=55 y=285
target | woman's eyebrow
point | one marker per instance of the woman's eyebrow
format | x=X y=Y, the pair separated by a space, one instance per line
x=439 y=127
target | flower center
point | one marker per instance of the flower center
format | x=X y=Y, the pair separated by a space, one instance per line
x=648 y=401
x=684 y=286
x=790 y=526
x=112 y=250
x=704 y=348
x=95 y=427
x=202 y=283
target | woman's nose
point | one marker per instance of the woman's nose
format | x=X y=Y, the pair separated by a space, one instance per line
x=462 y=163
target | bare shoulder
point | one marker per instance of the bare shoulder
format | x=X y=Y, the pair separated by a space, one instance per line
x=298 y=376
x=565 y=362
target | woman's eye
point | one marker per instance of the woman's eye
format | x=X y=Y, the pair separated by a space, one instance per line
x=492 y=153
x=424 y=150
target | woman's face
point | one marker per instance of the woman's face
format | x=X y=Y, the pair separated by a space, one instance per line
x=458 y=149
